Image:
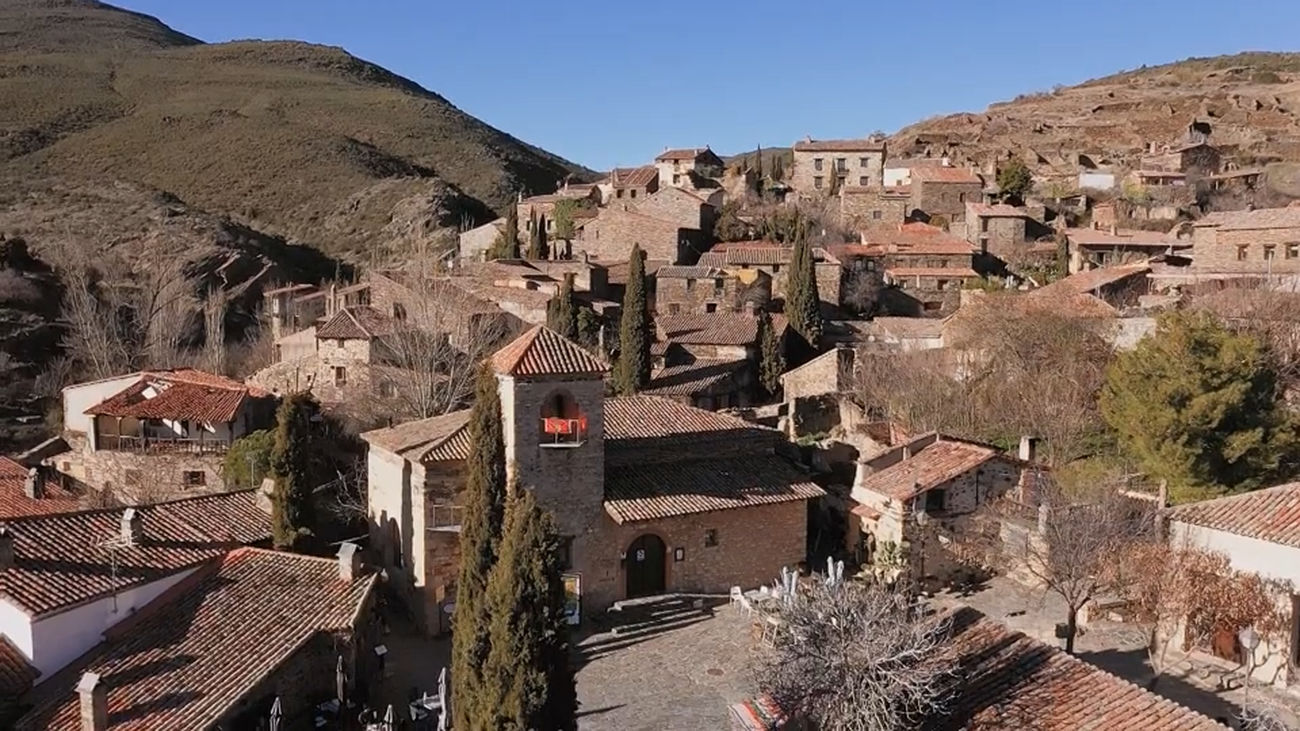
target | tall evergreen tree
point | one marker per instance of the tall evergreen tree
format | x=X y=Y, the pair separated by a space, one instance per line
x=506 y=245
x=771 y=362
x=758 y=162
x=633 y=370
x=292 y=460
x=543 y=246
x=778 y=169
x=802 y=300
x=534 y=250
x=561 y=315
x=834 y=188
x=480 y=539
x=528 y=677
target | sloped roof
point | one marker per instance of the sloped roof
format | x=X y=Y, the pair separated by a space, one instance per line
x=633 y=177
x=543 y=352
x=944 y=174
x=14 y=502
x=1091 y=280
x=961 y=272
x=193 y=655
x=16 y=671
x=435 y=439
x=859 y=145
x=1260 y=218
x=998 y=210
x=356 y=323
x=682 y=153
x=649 y=492
x=1122 y=238
x=911 y=239
x=689 y=272
x=634 y=419
x=1271 y=514
x=714 y=328
x=703 y=377
x=1013 y=682
x=928 y=468
x=64 y=559
x=182 y=394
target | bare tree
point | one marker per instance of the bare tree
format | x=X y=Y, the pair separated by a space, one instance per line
x=214 y=330
x=857 y=657
x=94 y=335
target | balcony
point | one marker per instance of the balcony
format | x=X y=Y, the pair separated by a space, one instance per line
x=563 y=432
x=161 y=445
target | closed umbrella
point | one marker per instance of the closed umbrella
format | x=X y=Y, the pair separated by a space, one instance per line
x=277 y=715
x=390 y=719
x=341 y=684
x=442 y=699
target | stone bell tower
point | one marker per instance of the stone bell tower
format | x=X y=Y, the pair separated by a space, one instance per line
x=552 y=409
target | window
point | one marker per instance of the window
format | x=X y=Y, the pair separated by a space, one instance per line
x=1292 y=251
x=676 y=179
x=877 y=214
x=776 y=268
x=674 y=308
x=631 y=194
x=618 y=193
x=932 y=306
x=841 y=179
x=399 y=312
x=817 y=181
x=711 y=537
x=562 y=422
x=718 y=286
x=864 y=162
x=566 y=552
x=934 y=500
x=339 y=342
x=387 y=389
x=941 y=284
x=340 y=376
x=690 y=285
x=863 y=181
x=195 y=478
x=1241 y=252
x=711 y=307
x=817 y=164
x=841 y=164
x=1269 y=251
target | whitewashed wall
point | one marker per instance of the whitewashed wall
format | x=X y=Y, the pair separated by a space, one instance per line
x=81 y=396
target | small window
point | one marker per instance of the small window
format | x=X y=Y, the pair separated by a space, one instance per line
x=195 y=478
x=618 y=193
x=863 y=180
x=934 y=500
x=842 y=179
x=399 y=312
x=631 y=193
x=339 y=342
x=817 y=181
x=566 y=552
x=719 y=286
x=676 y=179
x=841 y=164
x=877 y=214
x=690 y=285
x=711 y=537
x=674 y=308
x=711 y=307
x=817 y=164
x=941 y=284
x=340 y=376
x=1241 y=252
x=1269 y=251
x=776 y=268
x=864 y=162
x=1292 y=251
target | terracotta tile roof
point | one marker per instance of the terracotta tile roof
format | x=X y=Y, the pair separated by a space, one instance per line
x=192 y=656
x=617 y=270
x=944 y=174
x=682 y=153
x=635 y=420
x=633 y=177
x=16 y=672
x=1091 y=280
x=1122 y=238
x=181 y=395
x=756 y=254
x=930 y=467
x=704 y=377
x=436 y=439
x=1260 y=218
x=960 y=272
x=998 y=210
x=689 y=272
x=1159 y=174
x=575 y=192
x=649 y=492
x=543 y=352
x=14 y=502
x=713 y=328
x=62 y=560
x=1010 y=681
x=1271 y=514
x=916 y=241
x=861 y=145
x=356 y=323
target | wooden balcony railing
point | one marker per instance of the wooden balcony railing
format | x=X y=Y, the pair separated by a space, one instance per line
x=159 y=445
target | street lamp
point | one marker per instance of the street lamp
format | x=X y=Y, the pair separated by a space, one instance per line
x=1249 y=640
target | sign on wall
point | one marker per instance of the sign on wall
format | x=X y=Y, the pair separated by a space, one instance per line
x=573 y=598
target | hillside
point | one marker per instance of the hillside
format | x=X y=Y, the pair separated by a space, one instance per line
x=294 y=140
x=1250 y=100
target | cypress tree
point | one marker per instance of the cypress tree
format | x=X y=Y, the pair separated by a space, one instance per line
x=506 y=245
x=543 y=247
x=771 y=362
x=778 y=169
x=758 y=163
x=292 y=459
x=528 y=678
x=633 y=371
x=834 y=188
x=560 y=313
x=802 y=301
x=480 y=538
x=534 y=250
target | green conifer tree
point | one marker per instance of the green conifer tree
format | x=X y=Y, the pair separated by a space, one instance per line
x=534 y=250
x=561 y=315
x=543 y=245
x=771 y=362
x=528 y=677
x=802 y=300
x=292 y=460
x=480 y=538
x=506 y=245
x=833 y=189
x=633 y=370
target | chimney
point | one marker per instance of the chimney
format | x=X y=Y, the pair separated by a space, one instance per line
x=33 y=486
x=349 y=562
x=93 y=702
x=907 y=451
x=6 y=547
x=131 y=526
x=1114 y=229
x=1028 y=448
x=749 y=308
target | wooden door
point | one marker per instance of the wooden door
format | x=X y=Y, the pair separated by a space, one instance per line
x=645 y=566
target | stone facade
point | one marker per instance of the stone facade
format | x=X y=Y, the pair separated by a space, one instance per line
x=136 y=477
x=874 y=208
x=677 y=167
x=611 y=234
x=474 y=243
x=682 y=207
x=998 y=235
x=714 y=291
x=1255 y=242
x=945 y=198
x=857 y=163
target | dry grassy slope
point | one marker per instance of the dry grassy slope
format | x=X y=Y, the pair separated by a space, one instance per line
x=1251 y=100
x=297 y=140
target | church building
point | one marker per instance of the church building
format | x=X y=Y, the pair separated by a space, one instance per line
x=652 y=496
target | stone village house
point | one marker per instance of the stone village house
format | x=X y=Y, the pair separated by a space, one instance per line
x=709 y=360
x=628 y=184
x=653 y=496
x=856 y=164
x=155 y=434
x=680 y=167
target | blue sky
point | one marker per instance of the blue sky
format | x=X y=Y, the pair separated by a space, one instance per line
x=612 y=83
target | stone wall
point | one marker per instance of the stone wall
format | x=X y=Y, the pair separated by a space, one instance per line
x=999 y=235
x=724 y=293
x=861 y=169
x=137 y=478
x=1246 y=251
x=474 y=243
x=946 y=199
x=873 y=209
x=611 y=235
x=682 y=208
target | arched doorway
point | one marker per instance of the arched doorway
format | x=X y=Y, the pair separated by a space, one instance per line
x=645 y=566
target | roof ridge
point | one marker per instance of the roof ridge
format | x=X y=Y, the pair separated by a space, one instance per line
x=120 y=508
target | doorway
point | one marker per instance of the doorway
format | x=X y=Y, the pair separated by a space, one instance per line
x=645 y=566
